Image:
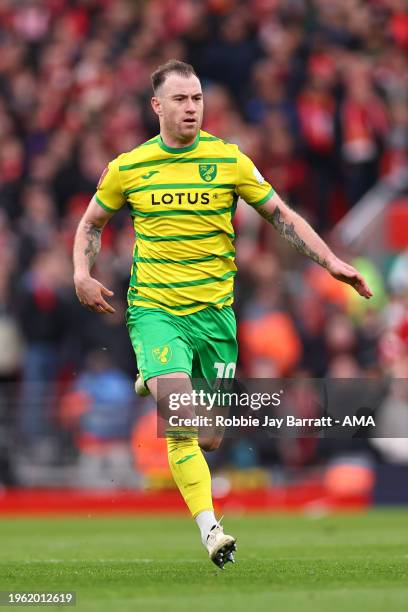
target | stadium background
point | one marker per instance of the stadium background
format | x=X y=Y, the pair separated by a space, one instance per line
x=315 y=93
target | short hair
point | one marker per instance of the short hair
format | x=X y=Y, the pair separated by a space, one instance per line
x=161 y=73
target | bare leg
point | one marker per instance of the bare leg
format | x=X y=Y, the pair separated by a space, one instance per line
x=180 y=383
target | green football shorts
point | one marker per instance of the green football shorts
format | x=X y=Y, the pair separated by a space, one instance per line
x=202 y=344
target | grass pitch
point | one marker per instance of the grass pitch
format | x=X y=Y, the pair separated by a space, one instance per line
x=339 y=562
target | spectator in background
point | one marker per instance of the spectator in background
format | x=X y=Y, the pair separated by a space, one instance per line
x=269 y=344
x=99 y=411
x=364 y=124
x=281 y=162
x=309 y=313
x=37 y=223
x=42 y=317
x=317 y=119
x=232 y=52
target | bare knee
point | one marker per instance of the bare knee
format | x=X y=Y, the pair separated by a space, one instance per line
x=210 y=443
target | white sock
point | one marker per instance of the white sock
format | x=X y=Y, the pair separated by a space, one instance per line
x=205 y=520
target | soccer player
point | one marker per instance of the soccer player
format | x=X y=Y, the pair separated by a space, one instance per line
x=181 y=188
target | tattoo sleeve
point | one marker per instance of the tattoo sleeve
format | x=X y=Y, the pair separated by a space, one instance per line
x=288 y=231
x=93 y=236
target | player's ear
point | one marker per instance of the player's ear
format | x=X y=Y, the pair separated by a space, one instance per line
x=156 y=105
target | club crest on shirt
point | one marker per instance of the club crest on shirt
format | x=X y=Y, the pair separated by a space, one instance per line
x=162 y=354
x=208 y=172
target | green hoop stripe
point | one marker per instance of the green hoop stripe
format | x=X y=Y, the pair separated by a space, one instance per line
x=193 y=283
x=139 y=298
x=183 y=262
x=187 y=237
x=175 y=213
x=180 y=160
x=160 y=186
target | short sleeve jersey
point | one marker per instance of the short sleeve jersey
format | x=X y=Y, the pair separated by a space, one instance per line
x=182 y=201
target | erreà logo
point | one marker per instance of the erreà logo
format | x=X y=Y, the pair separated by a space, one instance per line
x=208 y=172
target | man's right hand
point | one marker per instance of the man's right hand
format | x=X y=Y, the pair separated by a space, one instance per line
x=90 y=293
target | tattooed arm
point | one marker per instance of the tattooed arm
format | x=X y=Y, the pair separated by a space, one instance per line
x=300 y=234
x=87 y=245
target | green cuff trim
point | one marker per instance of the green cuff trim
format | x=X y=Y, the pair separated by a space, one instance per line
x=102 y=205
x=264 y=199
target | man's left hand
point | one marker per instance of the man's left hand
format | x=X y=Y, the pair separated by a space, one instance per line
x=345 y=273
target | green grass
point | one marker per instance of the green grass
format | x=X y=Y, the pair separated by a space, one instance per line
x=340 y=562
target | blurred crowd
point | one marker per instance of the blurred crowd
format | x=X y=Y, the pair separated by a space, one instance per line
x=313 y=91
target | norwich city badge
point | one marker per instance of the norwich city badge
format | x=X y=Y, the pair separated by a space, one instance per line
x=208 y=172
x=162 y=354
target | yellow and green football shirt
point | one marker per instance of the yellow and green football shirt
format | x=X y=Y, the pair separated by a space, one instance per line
x=182 y=201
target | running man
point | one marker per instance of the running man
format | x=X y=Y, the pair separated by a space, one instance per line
x=182 y=189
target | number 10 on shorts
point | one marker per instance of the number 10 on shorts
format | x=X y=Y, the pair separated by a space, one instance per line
x=224 y=370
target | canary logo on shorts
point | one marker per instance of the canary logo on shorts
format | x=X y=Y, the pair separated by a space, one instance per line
x=162 y=354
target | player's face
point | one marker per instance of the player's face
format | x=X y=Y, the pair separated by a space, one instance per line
x=179 y=105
